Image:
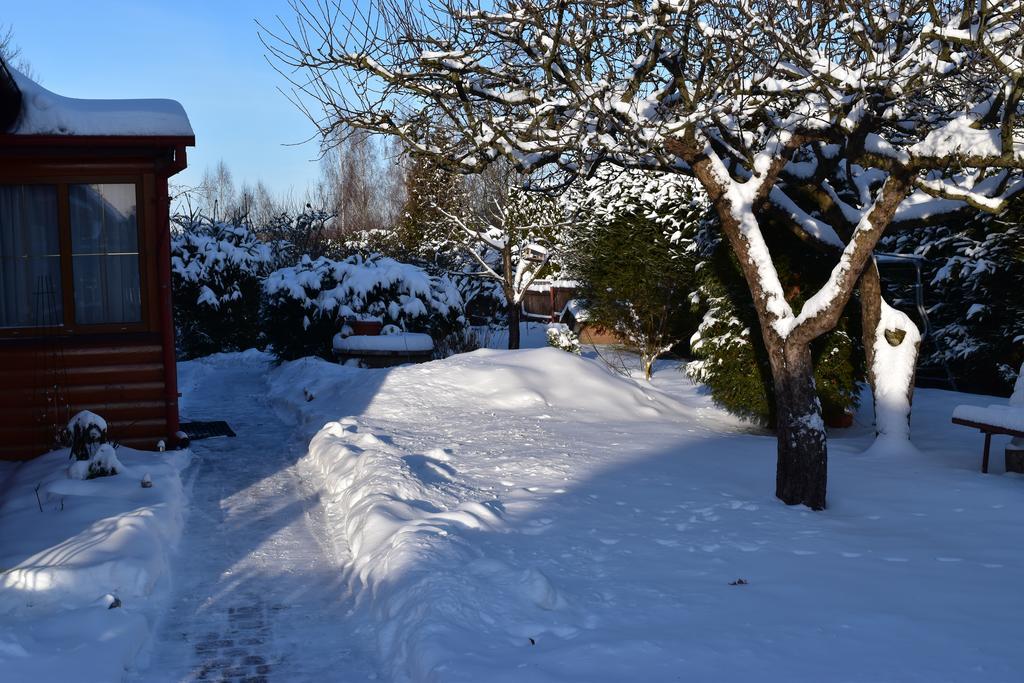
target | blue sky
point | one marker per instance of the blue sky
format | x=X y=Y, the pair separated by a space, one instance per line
x=207 y=55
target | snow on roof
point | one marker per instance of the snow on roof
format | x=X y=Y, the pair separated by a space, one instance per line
x=548 y=285
x=47 y=113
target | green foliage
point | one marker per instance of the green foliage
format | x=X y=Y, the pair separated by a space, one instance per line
x=423 y=232
x=729 y=362
x=838 y=369
x=632 y=252
x=731 y=357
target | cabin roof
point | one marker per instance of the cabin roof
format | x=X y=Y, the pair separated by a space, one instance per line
x=49 y=114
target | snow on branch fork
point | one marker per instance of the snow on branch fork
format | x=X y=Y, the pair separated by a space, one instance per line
x=836 y=119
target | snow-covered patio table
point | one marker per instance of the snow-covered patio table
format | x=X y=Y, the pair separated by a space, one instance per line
x=385 y=349
x=993 y=419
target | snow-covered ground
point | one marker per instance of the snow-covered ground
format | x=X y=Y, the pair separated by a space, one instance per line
x=530 y=516
x=258 y=590
x=513 y=516
x=84 y=564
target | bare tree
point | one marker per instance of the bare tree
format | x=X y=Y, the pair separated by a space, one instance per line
x=360 y=181
x=217 y=194
x=510 y=238
x=834 y=118
x=11 y=53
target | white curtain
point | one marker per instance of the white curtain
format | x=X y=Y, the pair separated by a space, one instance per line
x=30 y=282
x=105 y=253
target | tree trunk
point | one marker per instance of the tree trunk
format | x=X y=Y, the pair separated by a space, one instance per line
x=884 y=368
x=513 y=325
x=802 y=469
x=870 y=289
x=648 y=363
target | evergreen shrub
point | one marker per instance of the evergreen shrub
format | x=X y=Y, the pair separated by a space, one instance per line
x=305 y=305
x=216 y=275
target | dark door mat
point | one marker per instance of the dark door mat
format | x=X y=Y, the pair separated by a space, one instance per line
x=206 y=430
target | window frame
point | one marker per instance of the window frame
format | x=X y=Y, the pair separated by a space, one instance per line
x=68 y=326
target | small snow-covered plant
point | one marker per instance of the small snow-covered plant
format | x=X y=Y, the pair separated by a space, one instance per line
x=85 y=432
x=103 y=463
x=216 y=272
x=304 y=306
x=561 y=337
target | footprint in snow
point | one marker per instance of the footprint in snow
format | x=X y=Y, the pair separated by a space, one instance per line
x=429 y=470
x=949 y=559
x=747 y=547
x=805 y=552
x=850 y=555
x=896 y=559
x=666 y=542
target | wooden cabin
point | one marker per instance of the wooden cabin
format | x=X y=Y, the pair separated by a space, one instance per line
x=85 y=285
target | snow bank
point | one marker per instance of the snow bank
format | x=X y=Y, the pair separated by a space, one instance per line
x=407 y=524
x=93 y=544
x=534 y=543
x=46 y=113
x=573 y=387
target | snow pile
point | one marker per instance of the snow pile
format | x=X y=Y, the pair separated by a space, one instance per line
x=85 y=564
x=547 y=379
x=46 y=113
x=895 y=362
x=102 y=463
x=411 y=528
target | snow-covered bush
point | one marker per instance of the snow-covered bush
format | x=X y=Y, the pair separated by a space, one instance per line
x=304 y=306
x=103 y=463
x=561 y=337
x=217 y=270
x=85 y=432
x=91 y=454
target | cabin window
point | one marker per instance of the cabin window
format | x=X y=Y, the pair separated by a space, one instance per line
x=105 y=253
x=30 y=275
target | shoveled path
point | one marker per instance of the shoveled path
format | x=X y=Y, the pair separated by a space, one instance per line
x=257 y=592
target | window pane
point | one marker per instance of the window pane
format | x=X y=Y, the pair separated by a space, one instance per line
x=105 y=254
x=30 y=294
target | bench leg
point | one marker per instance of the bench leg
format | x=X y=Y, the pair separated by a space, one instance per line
x=984 y=457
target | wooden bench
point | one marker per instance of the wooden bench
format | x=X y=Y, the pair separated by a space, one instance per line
x=988 y=430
